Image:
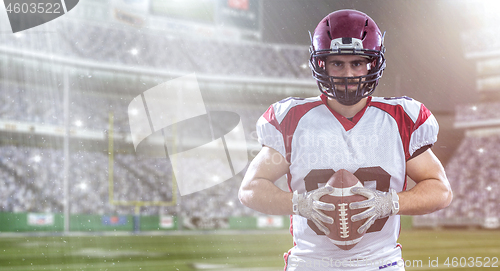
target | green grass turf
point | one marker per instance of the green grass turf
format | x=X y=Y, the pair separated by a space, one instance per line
x=143 y=252
x=259 y=251
x=460 y=247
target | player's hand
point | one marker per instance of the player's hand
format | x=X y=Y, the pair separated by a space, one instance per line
x=380 y=204
x=309 y=206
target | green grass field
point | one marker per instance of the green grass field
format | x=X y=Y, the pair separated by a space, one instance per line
x=223 y=251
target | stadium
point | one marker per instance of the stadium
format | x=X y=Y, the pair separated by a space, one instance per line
x=75 y=195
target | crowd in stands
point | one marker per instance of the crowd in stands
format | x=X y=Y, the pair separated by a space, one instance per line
x=44 y=107
x=473 y=173
x=153 y=50
x=477 y=112
x=32 y=180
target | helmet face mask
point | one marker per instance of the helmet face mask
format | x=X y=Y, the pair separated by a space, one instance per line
x=347 y=32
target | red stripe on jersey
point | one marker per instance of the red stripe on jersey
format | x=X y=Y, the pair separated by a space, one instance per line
x=423 y=115
x=405 y=123
x=285 y=257
x=347 y=124
x=271 y=118
x=289 y=182
x=287 y=254
x=290 y=123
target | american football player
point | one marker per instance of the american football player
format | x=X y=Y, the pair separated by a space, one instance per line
x=380 y=140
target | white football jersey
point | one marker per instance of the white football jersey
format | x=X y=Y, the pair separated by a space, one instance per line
x=374 y=146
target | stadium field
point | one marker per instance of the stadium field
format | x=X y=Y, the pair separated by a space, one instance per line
x=236 y=251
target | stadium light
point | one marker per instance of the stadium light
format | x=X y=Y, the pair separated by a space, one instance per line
x=474 y=108
x=83 y=186
x=488 y=188
x=134 y=111
x=37 y=158
x=78 y=123
x=134 y=52
x=480 y=150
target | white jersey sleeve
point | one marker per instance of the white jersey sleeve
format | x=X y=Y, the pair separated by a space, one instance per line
x=274 y=126
x=418 y=127
x=269 y=130
x=425 y=130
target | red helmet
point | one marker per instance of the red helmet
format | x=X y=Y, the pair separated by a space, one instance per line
x=347 y=32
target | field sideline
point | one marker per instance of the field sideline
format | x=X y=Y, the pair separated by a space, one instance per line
x=425 y=249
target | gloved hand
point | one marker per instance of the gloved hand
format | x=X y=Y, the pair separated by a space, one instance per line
x=309 y=206
x=380 y=204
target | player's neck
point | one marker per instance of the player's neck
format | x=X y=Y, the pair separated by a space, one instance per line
x=347 y=111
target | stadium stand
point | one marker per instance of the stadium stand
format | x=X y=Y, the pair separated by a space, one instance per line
x=97 y=42
x=32 y=182
x=153 y=49
x=473 y=173
x=478 y=112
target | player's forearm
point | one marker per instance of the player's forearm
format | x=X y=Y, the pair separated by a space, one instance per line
x=263 y=196
x=426 y=197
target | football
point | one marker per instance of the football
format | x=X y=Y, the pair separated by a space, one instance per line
x=343 y=232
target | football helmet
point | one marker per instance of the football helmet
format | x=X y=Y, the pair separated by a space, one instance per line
x=347 y=32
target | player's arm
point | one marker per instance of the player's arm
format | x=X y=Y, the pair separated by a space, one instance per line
x=432 y=191
x=258 y=190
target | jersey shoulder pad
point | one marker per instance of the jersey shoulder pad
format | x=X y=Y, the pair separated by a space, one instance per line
x=410 y=106
x=282 y=107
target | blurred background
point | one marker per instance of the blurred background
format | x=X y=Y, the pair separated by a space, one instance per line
x=67 y=161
